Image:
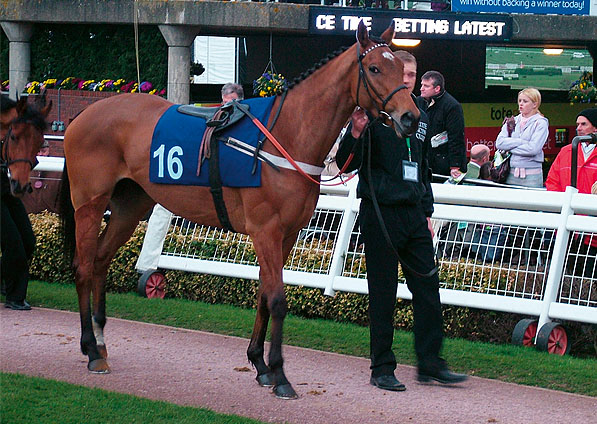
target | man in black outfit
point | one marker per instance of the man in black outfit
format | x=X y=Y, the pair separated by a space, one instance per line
x=400 y=178
x=446 y=126
x=18 y=240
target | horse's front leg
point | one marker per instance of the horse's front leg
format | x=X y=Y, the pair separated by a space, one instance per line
x=271 y=254
x=255 y=351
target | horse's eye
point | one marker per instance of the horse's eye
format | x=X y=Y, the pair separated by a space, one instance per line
x=374 y=69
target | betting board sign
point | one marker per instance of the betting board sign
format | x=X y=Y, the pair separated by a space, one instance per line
x=410 y=24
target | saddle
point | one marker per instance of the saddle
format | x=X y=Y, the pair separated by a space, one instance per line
x=231 y=114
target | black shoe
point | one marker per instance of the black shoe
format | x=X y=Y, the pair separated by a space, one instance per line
x=17 y=306
x=387 y=382
x=444 y=376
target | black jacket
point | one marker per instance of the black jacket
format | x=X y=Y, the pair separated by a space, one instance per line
x=445 y=114
x=387 y=153
x=4 y=182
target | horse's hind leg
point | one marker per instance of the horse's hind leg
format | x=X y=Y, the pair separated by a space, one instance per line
x=88 y=219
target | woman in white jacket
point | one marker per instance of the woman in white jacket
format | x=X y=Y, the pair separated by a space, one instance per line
x=526 y=141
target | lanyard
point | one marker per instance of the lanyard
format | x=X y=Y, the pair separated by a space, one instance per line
x=408 y=145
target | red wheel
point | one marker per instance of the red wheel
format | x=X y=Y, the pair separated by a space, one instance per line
x=552 y=338
x=524 y=332
x=152 y=284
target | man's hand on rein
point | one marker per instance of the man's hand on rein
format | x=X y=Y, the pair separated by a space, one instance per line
x=359 y=121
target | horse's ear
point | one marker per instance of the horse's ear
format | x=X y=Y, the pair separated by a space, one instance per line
x=362 y=34
x=45 y=111
x=22 y=105
x=388 y=34
x=42 y=98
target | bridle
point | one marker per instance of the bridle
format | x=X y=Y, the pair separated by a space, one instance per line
x=4 y=152
x=369 y=87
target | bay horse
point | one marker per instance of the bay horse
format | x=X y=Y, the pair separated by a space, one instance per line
x=107 y=150
x=22 y=136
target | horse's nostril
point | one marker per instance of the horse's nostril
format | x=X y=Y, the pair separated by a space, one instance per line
x=409 y=122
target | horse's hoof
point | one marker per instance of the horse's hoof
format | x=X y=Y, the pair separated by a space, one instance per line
x=102 y=351
x=285 y=391
x=265 y=380
x=99 y=366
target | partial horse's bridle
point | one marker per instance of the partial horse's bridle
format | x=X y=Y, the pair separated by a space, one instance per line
x=369 y=87
x=4 y=157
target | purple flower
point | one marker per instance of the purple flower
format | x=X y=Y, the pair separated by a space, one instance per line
x=146 y=86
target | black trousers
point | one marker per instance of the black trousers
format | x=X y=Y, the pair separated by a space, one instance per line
x=18 y=244
x=407 y=227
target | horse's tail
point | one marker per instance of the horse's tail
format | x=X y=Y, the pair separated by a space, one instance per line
x=67 y=218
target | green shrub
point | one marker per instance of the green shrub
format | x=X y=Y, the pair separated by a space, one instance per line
x=473 y=324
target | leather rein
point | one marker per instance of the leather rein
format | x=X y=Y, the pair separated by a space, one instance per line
x=368 y=87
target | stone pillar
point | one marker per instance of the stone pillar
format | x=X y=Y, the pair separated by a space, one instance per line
x=19 y=55
x=179 y=41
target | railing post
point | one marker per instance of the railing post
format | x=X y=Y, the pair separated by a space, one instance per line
x=341 y=246
x=556 y=268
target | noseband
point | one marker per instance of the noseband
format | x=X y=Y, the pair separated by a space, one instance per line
x=369 y=87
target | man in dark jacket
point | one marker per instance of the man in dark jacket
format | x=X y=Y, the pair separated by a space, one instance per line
x=446 y=126
x=396 y=206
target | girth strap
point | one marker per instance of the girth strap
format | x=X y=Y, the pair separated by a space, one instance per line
x=215 y=183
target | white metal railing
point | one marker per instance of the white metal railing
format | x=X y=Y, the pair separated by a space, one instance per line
x=499 y=249
x=528 y=276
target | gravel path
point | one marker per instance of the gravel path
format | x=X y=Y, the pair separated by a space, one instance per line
x=207 y=370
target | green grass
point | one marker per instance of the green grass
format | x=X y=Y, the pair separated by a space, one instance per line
x=503 y=362
x=35 y=400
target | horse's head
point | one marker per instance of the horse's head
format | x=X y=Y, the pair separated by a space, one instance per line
x=22 y=136
x=380 y=88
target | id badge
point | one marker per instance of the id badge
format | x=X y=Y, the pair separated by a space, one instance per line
x=410 y=171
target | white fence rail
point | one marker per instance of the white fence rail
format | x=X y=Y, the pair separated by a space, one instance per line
x=502 y=249
x=510 y=251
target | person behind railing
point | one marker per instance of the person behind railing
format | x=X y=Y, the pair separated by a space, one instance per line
x=560 y=175
x=479 y=156
x=232 y=91
x=446 y=126
x=526 y=141
x=394 y=216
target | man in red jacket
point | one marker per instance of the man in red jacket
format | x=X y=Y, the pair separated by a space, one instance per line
x=560 y=172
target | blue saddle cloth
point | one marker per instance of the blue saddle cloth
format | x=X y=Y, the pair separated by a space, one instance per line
x=177 y=139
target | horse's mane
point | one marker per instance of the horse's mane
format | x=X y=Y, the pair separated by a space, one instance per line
x=315 y=67
x=325 y=60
